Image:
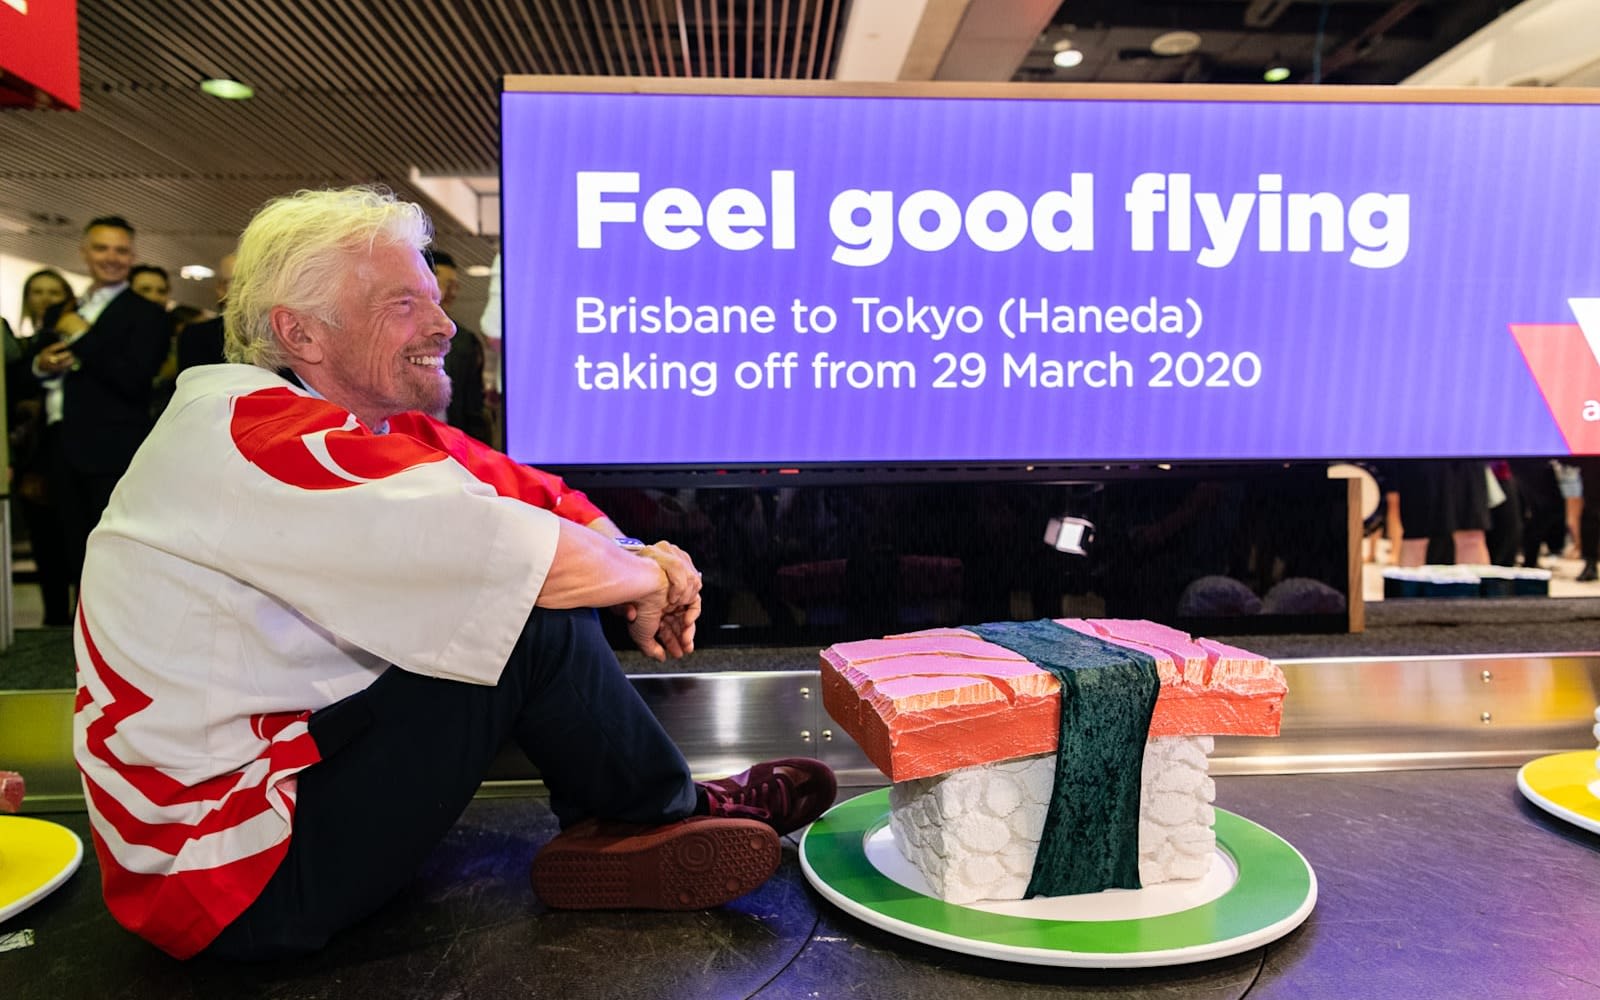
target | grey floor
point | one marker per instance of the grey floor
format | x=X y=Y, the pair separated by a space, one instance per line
x=1431 y=884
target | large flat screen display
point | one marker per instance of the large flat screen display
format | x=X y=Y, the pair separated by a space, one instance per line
x=811 y=277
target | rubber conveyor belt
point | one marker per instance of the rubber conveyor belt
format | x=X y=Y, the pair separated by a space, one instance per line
x=1431 y=884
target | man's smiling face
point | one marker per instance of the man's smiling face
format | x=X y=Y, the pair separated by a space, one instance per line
x=387 y=354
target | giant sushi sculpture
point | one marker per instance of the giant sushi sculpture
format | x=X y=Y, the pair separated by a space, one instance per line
x=1049 y=758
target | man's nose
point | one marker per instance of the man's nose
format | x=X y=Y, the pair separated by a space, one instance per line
x=442 y=321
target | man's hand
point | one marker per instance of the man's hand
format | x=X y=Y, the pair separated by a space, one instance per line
x=71 y=324
x=669 y=631
x=683 y=580
x=657 y=588
x=55 y=359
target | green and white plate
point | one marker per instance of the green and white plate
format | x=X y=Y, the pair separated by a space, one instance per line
x=1260 y=888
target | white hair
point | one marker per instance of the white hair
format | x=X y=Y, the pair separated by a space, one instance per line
x=295 y=253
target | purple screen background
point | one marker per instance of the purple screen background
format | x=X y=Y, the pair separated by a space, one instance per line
x=1409 y=361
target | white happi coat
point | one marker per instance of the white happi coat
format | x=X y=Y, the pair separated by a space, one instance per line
x=264 y=556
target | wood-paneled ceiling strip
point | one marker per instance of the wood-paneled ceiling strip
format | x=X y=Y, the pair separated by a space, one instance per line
x=766 y=43
x=783 y=37
x=380 y=63
x=563 y=60
x=104 y=65
x=31 y=146
x=294 y=65
x=554 y=25
x=443 y=123
x=685 y=65
x=811 y=36
x=749 y=38
x=296 y=130
x=391 y=45
x=148 y=119
x=529 y=52
x=470 y=57
x=146 y=49
x=618 y=44
x=639 y=47
x=313 y=129
x=512 y=46
x=402 y=36
x=244 y=49
x=706 y=24
x=586 y=25
x=602 y=34
x=825 y=41
x=460 y=49
x=80 y=149
x=561 y=26
x=409 y=44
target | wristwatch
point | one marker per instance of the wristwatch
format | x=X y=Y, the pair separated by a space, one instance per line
x=631 y=544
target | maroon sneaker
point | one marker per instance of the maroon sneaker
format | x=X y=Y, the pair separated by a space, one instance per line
x=693 y=864
x=785 y=794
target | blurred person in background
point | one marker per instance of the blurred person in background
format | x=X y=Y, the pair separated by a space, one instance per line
x=1544 y=524
x=42 y=290
x=1444 y=511
x=96 y=373
x=45 y=294
x=200 y=343
x=494 y=357
x=151 y=282
x=464 y=364
x=1589 y=518
x=1570 y=479
x=180 y=316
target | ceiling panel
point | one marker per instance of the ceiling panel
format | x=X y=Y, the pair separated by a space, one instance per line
x=347 y=91
x=368 y=90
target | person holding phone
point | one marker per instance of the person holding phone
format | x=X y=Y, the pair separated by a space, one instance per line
x=96 y=370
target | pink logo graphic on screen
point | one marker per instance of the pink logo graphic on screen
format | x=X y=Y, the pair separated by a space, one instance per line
x=1565 y=361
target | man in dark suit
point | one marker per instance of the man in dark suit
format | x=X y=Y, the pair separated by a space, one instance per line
x=202 y=343
x=464 y=364
x=97 y=378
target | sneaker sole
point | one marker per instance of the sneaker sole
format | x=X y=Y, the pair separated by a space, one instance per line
x=695 y=864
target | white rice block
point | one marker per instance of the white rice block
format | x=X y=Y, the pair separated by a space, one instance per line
x=973 y=833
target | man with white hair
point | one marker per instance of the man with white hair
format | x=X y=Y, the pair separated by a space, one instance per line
x=358 y=605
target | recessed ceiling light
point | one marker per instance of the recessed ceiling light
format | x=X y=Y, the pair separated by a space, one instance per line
x=228 y=90
x=1175 y=43
x=1276 y=74
x=1068 y=58
x=195 y=272
x=479 y=270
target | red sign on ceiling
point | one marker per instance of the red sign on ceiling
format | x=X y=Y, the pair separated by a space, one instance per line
x=39 y=54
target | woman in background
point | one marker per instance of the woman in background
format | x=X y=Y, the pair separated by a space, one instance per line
x=42 y=290
x=44 y=295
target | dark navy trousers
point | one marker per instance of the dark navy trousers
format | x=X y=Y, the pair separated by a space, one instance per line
x=402 y=759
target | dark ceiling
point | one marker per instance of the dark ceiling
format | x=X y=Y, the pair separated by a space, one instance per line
x=369 y=90
x=1355 y=41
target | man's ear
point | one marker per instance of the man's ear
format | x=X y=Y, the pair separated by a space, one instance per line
x=297 y=334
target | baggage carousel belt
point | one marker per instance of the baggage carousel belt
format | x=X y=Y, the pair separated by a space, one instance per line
x=1395 y=777
x=1441 y=883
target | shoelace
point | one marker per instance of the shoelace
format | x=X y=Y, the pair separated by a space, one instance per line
x=764 y=801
